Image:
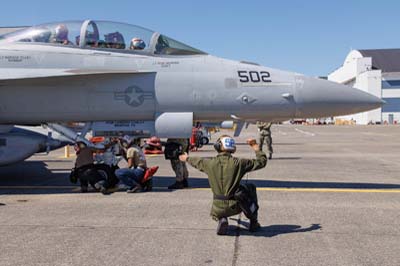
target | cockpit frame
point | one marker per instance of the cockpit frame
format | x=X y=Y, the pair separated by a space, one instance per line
x=153 y=42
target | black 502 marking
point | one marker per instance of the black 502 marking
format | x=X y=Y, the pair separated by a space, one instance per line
x=254 y=76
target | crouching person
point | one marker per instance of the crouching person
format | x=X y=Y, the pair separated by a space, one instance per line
x=224 y=174
x=84 y=169
x=133 y=175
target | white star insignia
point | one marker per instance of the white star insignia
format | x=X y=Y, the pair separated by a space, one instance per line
x=134 y=97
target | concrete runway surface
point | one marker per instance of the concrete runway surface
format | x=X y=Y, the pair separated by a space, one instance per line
x=330 y=196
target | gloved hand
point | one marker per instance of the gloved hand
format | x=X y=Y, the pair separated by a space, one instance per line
x=183 y=157
x=253 y=144
x=72 y=176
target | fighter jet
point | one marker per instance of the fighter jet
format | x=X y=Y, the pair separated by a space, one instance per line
x=88 y=71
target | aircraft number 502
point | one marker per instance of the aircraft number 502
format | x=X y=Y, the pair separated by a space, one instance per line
x=254 y=76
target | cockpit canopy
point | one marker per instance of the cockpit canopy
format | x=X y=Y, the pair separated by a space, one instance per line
x=108 y=35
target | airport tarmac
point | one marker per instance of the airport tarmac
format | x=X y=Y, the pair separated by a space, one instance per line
x=330 y=196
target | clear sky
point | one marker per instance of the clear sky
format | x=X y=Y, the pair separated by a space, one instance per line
x=309 y=36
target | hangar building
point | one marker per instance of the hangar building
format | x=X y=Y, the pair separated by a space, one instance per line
x=376 y=72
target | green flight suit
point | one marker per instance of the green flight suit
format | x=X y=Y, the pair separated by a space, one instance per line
x=265 y=135
x=224 y=175
x=180 y=169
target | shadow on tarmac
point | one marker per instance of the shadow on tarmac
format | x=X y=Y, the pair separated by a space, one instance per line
x=31 y=173
x=271 y=230
x=281 y=229
x=33 y=177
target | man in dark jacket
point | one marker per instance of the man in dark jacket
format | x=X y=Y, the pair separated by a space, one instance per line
x=85 y=170
x=224 y=174
x=179 y=167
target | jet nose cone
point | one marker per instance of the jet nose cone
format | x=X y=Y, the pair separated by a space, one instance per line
x=322 y=98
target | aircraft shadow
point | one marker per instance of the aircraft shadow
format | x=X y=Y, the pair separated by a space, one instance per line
x=33 y=177
x=203 y=183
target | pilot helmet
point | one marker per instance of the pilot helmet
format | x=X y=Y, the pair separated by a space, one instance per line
x=61 y=33
x=92 y=38
x=126 y=141
x=80 y=145
x=225 y=143
x=78 y=39
x=115 y=40
x=137 y=44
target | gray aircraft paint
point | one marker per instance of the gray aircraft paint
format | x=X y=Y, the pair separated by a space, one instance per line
x=47 y=83
x=205 y=85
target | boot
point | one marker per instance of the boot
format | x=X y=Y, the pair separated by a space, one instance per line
x=84 y=189
x=270 y=156
x=185 y=183
x=106 y=191
x=177 y=185
x=254 y=225
x=222 y=228
x=135 y=189
x=148 y=185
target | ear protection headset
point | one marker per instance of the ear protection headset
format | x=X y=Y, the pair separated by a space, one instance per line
x=217 y=145
x=225 y=143
x=81 y=144
x=127 y=141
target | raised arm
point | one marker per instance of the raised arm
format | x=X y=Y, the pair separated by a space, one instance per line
x=254 y=164
x=197 y=162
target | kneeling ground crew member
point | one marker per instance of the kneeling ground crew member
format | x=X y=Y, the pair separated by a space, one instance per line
x=133 y=175
x=84 y=169
x=224 y=174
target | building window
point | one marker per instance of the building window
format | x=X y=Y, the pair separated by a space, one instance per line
x=391 y=84
x=3 y=142
x=392 y=105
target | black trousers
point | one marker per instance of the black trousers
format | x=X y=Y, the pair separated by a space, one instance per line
x=112 y=179
x=88 y=174
x=246 y=196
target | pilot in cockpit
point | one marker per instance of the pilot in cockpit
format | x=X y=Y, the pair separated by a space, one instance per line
x=114 y=40
x=61 y=35
x=137 y=44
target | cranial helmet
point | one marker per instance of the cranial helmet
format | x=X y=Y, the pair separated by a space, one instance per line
x=126 y=141
x=225 y=143
x=81 y=144
x=61 y=32
x=137 y=44
x=115 y=40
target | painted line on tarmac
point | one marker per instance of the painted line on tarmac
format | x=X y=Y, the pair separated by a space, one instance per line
x=38 y=187
x=67 y=158
x=282 y=133
x=305 y=132
x=328 y=190
x=154 y=155
x=331 y=190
